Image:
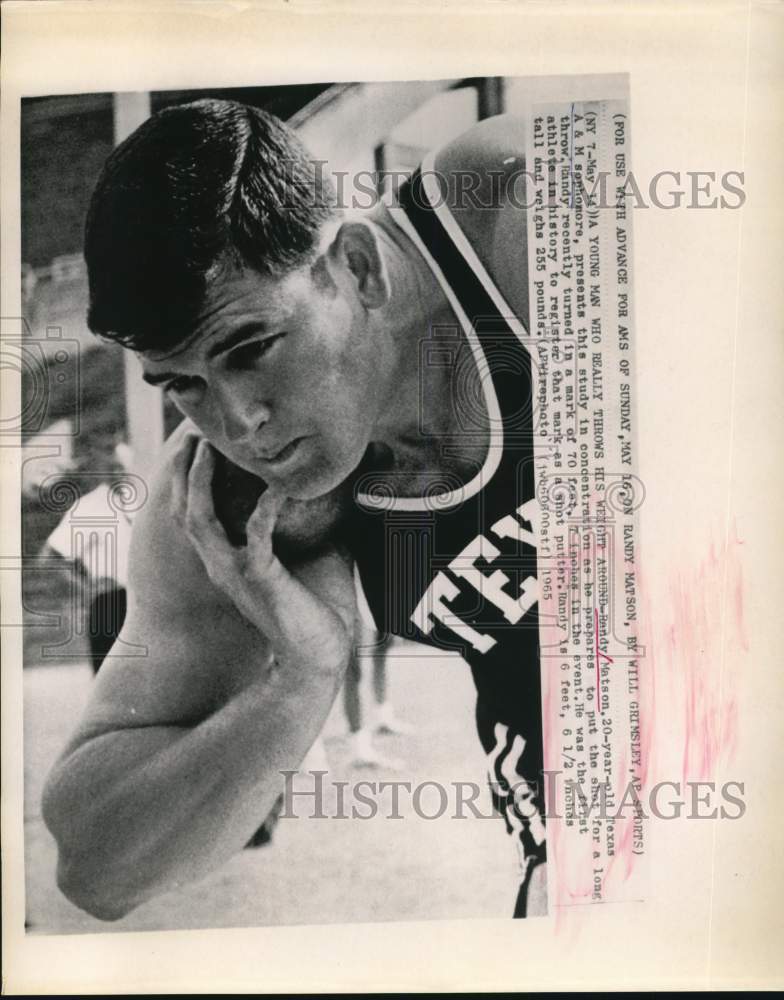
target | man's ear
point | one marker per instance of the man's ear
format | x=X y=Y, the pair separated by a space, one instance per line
x=356 y=250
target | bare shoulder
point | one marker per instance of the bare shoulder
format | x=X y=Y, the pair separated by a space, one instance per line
x=482 y=173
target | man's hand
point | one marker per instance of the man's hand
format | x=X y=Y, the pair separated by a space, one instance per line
x=303 y=610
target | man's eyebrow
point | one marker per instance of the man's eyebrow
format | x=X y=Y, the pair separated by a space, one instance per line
x=237 y=335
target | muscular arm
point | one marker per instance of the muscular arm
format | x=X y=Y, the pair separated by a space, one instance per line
x=178 y=757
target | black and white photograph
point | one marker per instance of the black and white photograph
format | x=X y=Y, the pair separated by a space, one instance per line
x=387 y=498
x=290 y=414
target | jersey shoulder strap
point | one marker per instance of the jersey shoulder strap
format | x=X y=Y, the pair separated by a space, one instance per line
x=500 y=333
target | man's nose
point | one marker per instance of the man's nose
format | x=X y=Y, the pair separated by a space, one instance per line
x=242 y=411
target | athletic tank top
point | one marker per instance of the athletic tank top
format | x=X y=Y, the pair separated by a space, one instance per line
x=456 y=569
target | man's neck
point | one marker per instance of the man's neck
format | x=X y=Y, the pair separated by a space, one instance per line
x=418 y=398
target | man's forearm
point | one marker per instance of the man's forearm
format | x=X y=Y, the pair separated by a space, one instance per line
x=139 y=811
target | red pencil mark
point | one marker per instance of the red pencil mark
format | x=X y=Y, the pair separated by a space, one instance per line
x=599 y=653
x=706 y=641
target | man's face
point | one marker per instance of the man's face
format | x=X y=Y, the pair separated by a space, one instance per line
x=281 y=376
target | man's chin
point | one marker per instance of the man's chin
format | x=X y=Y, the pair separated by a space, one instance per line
x=299 y=484
x=313 y=482
x=305 y=486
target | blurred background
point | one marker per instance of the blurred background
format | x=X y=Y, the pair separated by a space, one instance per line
x=91 y=433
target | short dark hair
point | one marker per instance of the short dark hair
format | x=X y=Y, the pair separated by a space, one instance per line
x=196 y=187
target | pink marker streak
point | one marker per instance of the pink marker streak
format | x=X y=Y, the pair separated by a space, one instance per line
x=705 y=636
x=690 y=631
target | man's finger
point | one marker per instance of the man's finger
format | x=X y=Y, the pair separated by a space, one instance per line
x=262 y=521
x=181 y=463
x=201 y=520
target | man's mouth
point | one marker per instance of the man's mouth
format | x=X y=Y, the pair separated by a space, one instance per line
x=285 y=453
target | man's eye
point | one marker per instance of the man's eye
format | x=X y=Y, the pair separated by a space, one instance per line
x=180 y=385
x=246 y=354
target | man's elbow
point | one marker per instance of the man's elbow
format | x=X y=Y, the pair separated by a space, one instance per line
x=84 y=877
x=96 y=897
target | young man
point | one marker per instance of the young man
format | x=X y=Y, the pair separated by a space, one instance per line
x=358 y=401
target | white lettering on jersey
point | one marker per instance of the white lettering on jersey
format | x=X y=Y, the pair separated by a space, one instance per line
x=491 y=586
x=510 y=527
x=432 y=606
x=522 y=805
